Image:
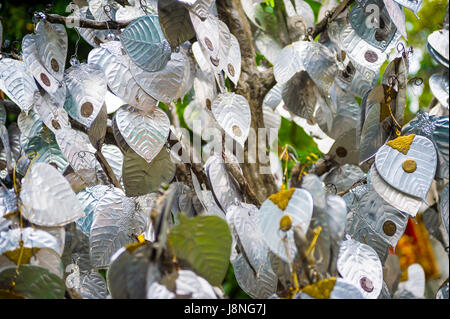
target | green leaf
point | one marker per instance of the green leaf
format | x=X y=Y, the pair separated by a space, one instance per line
x=33 y=282
x=204 y=242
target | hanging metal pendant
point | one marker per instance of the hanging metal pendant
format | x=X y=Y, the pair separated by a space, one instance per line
x=277 y=217
x=17 y=83
x=145 y=133
x=360 y=265
x=438 y=41
x=434 y=128
x=86 y=84
x=225 y=190
x=145 y=44
x=47 y=197
x=378 y=36
x=408 y=164
x=413 y=5
x=396 y=199
x=34 y=64
x=232 y=112
x=439 y=86
x=444 y=207
x=52 y=43
x=175 y=22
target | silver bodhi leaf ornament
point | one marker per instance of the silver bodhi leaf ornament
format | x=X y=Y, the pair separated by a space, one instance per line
x=144 y=42
x=114 y=61
x=52 y=43
x=439 y=86
x=33 y=62
x=438 y=46
x=413 y=5
x=31 y=239
x=86 y=84
x=444 y=207
x=395 y=198
x=145 y=133
x=225 y=190
x=277 y=217
x=116 y=224
x=434 y=128
x=47 y=198
x=141 y=177
x=232 y=112
x=175 y=22
x=171 y=82
x=17 y=83
x=408 y=163
x=359 y=264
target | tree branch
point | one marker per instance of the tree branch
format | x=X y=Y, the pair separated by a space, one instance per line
x=84 y=23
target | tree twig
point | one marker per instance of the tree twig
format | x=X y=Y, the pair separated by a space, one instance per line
x=85 y=23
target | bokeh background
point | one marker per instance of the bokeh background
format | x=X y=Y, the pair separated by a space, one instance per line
x=16 y=18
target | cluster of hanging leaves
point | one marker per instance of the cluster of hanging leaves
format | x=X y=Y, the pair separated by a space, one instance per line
x=89 y=203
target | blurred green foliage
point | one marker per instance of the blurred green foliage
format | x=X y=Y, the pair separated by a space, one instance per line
x=17 y=21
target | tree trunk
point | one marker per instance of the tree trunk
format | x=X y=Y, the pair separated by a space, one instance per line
x=253 y=85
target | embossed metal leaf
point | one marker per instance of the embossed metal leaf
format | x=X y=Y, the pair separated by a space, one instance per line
x=208 y=35
x=224 y=188
x=190 y=284
x=175 y=22
x=8 y=201
x=145 y=133
x=439 y=86
x=93 y=286
x=87 y=86
x=438 y=40
x=413 y=5
x=299 y=208
x=436 y=129
x=395 y=198
x=289 y=62
x=145 y=44
x=206 y=198
x=375 y=130
x=232 y=112
x=274 y=97
x=233 y=66
x=388 y=222
x=89 y=198
x=102 y=10
x=32 y=282
x=378 y=38
x=299 y=95
x=141 y=177
x=47 y=197
x=242 y=219
x=397 y=16
x=116 y=65
x=268 y=46
x=76 y=149
x=360 y=265
x=442 y=293
x=34 y=64
x=48 y=151
x=260 y=285
x=129 y=13
x=51 y=112
x=167 y=84
x=17 y=83
x=31 y=238
x=346 y=148
x=116 y=224
x=389 y=161
x=414 y=286
x=51 y=43
x=444 y=206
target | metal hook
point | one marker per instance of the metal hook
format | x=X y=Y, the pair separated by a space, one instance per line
x=400 y=47
x=144 y=7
